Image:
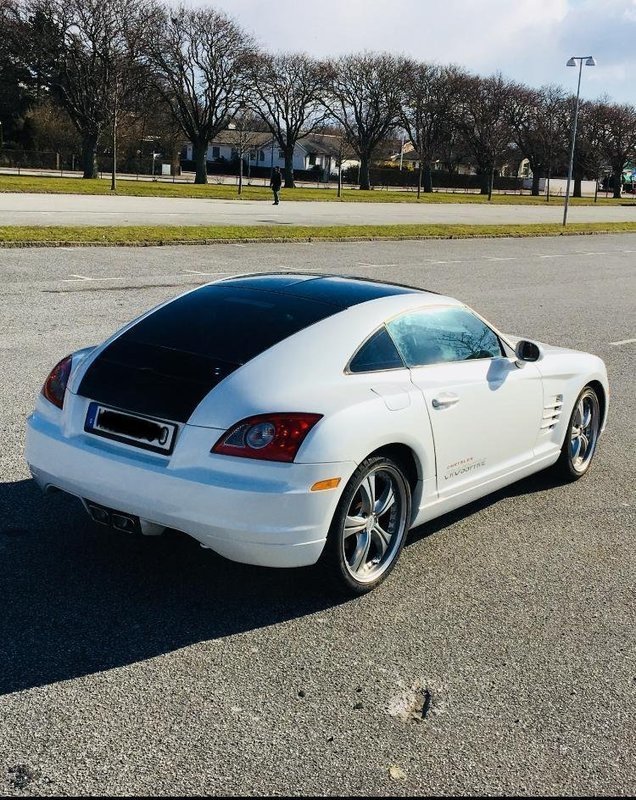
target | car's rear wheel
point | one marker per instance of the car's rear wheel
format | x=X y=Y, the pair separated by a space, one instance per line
x=581 y=436
x=369 y=527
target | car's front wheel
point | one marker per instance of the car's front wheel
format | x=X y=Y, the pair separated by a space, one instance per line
x=581 y=436
x=369 y=527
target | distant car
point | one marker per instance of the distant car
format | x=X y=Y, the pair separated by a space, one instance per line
x=284 y=420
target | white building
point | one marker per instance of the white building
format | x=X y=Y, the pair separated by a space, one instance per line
x=260 y=149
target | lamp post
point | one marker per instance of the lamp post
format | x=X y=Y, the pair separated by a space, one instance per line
x=589 y=62
x=241 y=143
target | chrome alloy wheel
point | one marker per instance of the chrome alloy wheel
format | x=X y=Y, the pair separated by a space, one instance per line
x=584 y=429
x=375 y=524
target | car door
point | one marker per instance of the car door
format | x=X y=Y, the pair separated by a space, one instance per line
x=485 y=412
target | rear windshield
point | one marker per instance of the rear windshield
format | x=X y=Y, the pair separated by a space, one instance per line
x=231 y=324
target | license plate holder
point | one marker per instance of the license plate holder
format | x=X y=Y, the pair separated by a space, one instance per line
x=133 y=429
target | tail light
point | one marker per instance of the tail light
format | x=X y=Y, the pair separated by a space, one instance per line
x=55 y=385
x=271 y=437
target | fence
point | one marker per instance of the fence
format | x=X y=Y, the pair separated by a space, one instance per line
x=38 y=159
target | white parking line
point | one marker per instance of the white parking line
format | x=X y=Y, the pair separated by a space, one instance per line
x=376 y=266
x=553 y=255
x=623 y=341
x=196 y=272
x=83 y=278
x=500 y=258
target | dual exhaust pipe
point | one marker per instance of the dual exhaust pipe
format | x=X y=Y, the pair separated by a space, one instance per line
x=112 y=518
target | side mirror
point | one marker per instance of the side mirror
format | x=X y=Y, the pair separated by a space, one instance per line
x=527 y=351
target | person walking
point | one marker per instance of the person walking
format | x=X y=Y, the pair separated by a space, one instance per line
x=275 y=183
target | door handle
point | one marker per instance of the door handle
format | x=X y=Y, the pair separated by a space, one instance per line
x=445 y=400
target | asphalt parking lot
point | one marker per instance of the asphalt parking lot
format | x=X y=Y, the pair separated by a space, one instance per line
x=499 y=658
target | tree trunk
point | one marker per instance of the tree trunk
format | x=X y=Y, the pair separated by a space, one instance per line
x=484 y=181
x=365 y=180
x=113 y=175
x=289 y=168
x=199 y=152
x=175 y=159
x=617 y=176
x=427 y=178
x=89 y=155
x=577 y=186
x=536 y=177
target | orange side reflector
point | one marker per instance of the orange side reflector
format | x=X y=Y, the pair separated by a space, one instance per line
x=330 y=483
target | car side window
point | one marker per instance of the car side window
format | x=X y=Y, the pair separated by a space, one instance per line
x=377 y=353
x=435 y=336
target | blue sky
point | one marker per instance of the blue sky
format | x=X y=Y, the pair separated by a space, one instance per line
x=527 y=40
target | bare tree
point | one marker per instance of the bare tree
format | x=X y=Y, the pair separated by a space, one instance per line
x=17 y=87
x=484 y=117
x=540 y=125
x=616 y=126
x=428 y=99
x=588 y=158
x=287 y=89
x=201 y=59
x=91 y=54
x=363 y=96
x=245 y=136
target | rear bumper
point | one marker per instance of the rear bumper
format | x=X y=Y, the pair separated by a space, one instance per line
x=254 y=512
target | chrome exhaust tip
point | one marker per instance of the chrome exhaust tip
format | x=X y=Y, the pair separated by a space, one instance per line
x=99 y=514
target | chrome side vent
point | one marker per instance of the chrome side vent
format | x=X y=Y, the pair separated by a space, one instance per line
x=552 y=412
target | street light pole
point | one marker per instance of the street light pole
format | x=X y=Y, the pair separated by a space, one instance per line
x=589 y=62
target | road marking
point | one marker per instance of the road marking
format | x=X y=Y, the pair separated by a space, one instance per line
x=553 y=255
x=624 y=341
x=595 y=253
x=459 y=261
x=500 y=258
x=83 y=278
x=376 y=266
x=196 y=272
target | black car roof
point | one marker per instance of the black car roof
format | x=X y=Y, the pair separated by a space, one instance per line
x=337 y=290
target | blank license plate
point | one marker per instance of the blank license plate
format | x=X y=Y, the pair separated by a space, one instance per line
x=150 y=434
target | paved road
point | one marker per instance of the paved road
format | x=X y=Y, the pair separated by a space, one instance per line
x=68 y=209
x=150 y=666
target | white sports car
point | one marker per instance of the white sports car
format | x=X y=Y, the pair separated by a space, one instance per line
x=284 y=420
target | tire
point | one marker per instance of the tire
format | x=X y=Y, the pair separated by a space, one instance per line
x=581 y=437
x=369 y=527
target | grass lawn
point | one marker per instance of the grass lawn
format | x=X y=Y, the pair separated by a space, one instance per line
x=132 y=188
x=157 y=235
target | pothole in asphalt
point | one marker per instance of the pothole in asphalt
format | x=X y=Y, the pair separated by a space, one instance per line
x=20 y=776
x=413 y=704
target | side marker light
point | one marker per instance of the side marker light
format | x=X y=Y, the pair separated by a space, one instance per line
x=330 y=483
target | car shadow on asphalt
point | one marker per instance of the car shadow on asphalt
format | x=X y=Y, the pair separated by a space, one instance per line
x=539 y=482
x=78 y=598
